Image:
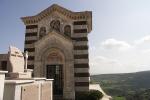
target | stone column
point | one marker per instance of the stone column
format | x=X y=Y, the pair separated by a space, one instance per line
x=2 y=78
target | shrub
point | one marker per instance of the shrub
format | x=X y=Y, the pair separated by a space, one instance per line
x=82 y=95
x=91 y=95
x=95 y=95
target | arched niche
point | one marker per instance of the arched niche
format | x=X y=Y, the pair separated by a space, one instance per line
x=42 y=32
x=67 y=30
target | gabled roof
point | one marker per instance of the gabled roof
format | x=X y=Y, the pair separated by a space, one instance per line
x=85 y=15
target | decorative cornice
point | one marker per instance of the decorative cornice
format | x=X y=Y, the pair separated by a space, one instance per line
x=86 y=15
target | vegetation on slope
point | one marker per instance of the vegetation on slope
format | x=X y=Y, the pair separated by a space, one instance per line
x=125 y=86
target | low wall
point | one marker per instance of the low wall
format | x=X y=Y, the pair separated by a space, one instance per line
x=34 y=89
x=2 y=78
x=98 y=87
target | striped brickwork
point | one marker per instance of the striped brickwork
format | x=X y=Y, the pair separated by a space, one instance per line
x=81 y=56
x=31 y=36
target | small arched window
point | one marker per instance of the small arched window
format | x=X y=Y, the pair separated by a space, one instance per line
x=67 y=30
x=55 y=25
x=42 y=32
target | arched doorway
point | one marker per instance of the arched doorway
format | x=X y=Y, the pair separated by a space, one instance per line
x=59 y=48
x=54 y=70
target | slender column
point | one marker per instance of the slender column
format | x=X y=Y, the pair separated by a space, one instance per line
x=26 y=59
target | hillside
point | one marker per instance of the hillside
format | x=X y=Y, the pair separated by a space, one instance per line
x=124 y=85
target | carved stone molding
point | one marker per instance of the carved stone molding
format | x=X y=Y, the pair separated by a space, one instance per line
x=86 y=15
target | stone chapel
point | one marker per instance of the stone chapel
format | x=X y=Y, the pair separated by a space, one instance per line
x=57 y=43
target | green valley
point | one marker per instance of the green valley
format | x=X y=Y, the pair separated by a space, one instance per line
x=128 y=86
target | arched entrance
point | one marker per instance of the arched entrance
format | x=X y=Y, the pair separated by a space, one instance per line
x=54 y=59
x=54 y=64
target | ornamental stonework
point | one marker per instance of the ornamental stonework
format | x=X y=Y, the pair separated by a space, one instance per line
x=57 y=42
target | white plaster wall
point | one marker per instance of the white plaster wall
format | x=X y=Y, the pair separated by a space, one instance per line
x=14 y=88
x=9 y=92
x=2 y=78
x=1 y=85
x=17 y=92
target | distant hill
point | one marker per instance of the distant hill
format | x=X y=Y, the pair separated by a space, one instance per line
x=127 y=84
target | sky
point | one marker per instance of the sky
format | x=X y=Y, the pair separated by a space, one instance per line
x=118 y=43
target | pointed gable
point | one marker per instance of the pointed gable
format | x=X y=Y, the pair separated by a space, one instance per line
x=85 y=15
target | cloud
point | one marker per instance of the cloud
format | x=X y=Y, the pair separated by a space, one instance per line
x=146 y=51
x=108 y=59
x=115 y=44
x=101 y=60
x=145 y=39
x=102 y=64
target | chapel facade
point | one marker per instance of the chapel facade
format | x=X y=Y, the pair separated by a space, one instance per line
x=57 y=43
